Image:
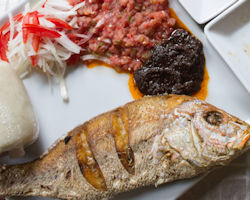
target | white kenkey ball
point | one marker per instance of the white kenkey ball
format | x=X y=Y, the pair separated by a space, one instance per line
x=18 y=124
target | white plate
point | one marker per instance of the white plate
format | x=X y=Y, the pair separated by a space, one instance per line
x=230 y=35
x=93 y=91
x=6 y=5
x=204 y=10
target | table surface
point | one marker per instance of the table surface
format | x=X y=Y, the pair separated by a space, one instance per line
x=228 y=183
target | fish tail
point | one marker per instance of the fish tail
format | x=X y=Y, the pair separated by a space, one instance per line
x=48 y=176
x=35 y=178
x=17 y=180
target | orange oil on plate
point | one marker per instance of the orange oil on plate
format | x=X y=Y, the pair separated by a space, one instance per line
x=96 y=63
x=136 y=94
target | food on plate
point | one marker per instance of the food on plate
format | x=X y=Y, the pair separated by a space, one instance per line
x=121 y=32
x=150 y=141
x=18 y=127
x=176 y=66
x=55 y=34
x=38 y=38
x=124 y=31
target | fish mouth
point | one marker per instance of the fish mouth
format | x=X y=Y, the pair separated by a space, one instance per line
x=245 y=142
x=241 y=139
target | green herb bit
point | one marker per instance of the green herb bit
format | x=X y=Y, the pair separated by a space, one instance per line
x=95 y=54
x=108 y=54
x=100 y=44
x=118 y=42
x=134 y=51
x=93 y=23
x=130 y=18
x=145 y=56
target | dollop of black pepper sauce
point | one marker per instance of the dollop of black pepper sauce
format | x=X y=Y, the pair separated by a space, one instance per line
x=175 y=67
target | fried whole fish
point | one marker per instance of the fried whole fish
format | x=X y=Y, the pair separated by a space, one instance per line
x=150 y=141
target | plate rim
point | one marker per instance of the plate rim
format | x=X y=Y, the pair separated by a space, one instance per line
x=209 y=17
x=208 y=30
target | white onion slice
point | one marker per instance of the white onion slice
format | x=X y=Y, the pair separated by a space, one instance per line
x=11 y=26
x=46 y=23
x=84 y=40
x=76 y=7
x=68 y=44
x=64 y=89
x=95 y=57
x=108 y=41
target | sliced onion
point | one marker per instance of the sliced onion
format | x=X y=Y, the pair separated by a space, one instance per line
x=46 y=23
x=52 y=53
x=73 y=22
x=64 y=89
x=81 y=35
x=106 y=40
x=49 y=11
x=94 y=57
x=68 y=44
x=60 y=5
x=84 y=40
x=76 y=7
x=11 y=25
x=100 y=22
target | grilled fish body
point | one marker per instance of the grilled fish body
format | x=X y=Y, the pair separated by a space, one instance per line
x=151 y=141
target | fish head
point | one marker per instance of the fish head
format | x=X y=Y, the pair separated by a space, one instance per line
x=205 y=135
x=218 y=128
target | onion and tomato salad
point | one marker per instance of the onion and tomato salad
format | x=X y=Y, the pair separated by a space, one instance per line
x=55 y=33
x=40 y=37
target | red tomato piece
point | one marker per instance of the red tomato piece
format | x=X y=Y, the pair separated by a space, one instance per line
x=17 y=18
x=36 y=39
x=41 y=31
x=74 y=59
x=4 y=39
x=73 y=37
x=26 y=20
x=44 y=3
x=5 y=26
x=36 y=43
x=60 y=23
x=14 y=36
x=34 y=60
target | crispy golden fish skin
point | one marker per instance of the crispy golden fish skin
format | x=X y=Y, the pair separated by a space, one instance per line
x=150 y=141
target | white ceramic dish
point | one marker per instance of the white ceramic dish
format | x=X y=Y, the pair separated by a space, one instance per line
x=204 y=10
x=229 y=34
x=93 y=91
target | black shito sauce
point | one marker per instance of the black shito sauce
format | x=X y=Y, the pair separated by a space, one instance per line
x=175 y=67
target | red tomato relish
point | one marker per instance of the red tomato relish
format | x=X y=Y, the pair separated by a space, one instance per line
x=124 y=30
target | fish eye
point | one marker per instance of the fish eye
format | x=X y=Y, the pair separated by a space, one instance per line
x=213 y=118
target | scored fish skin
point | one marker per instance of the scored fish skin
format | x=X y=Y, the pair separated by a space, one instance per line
x=150 y=141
